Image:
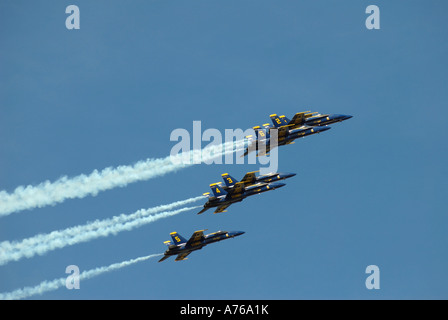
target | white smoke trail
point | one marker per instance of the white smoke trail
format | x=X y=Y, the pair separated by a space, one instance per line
x=43 y=243
x=55 y=284
x=51 y=193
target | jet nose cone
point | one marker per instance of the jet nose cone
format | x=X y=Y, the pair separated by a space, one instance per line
x=286 y=175
x=236 y=233
x=342 y=117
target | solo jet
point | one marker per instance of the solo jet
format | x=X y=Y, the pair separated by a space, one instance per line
x=307 y=118
x=222 y=199
x=284 y=136
x=182 y=248
x=250 y=179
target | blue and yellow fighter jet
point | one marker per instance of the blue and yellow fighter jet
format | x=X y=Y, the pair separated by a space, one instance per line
x=250 y=179
x=307 y=118
x=182 y=248
x=222 y=198
x=285 y=136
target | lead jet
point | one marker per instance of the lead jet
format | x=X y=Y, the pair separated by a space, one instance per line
x=250 y=179
x=222 y=199
x=182 y=248
x=307 y=118
x=262 y=143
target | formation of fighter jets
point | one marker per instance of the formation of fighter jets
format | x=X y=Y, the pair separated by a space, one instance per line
x=302 y=124
x=236 y=191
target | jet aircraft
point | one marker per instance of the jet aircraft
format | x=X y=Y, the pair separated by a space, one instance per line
x=222 y=198
x=284 y=136
x=250 y=179
x=182 y=248
x=307 y=118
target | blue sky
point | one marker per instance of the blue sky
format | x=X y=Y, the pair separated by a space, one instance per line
x=371 y=191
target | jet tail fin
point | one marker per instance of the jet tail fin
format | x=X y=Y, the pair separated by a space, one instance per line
x=278 y=121
x=262 y=137
x=298 y=119
x=217 y=189
x=177 y=238
x=229 y=180
x=261 y=133
x=249 y=178
x=285 y=119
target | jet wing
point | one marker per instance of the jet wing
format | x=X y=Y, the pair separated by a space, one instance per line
x=222 y=208
x=196 y=238
x=182 y=256
x=164 y=257
x=203 y=210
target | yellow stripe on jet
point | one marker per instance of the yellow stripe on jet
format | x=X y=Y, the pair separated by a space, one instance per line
x=216 y=183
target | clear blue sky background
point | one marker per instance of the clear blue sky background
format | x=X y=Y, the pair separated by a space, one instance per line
x=370 y=191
